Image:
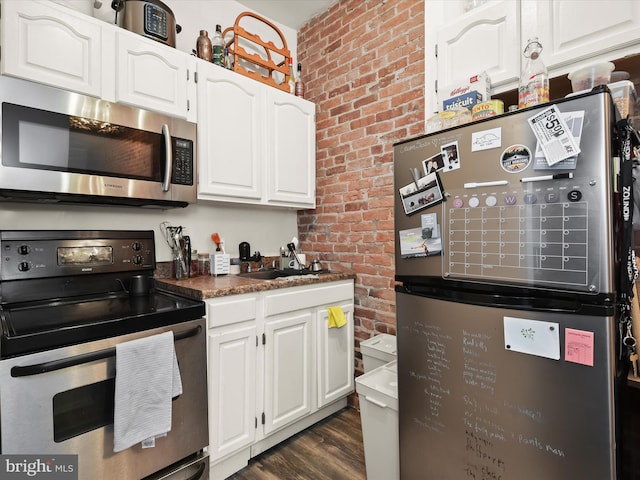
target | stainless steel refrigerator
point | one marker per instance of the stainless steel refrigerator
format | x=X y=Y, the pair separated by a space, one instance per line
x=506 y=310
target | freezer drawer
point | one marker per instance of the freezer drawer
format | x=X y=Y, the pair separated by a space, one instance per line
x=489 y=393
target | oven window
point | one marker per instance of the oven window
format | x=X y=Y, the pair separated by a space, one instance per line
x=43 y=140
x=83 y=409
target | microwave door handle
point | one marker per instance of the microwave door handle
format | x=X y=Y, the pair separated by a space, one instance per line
x=168 y=157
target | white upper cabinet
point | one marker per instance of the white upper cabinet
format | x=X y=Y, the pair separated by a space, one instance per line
x=256 y=144
x=49 y=44
x=582 y=30
x=230 y=135
x=492 y=37
x=151 y=74
x=484 y=39
x=291 y=130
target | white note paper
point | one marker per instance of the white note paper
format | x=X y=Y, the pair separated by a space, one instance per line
x=532 y=337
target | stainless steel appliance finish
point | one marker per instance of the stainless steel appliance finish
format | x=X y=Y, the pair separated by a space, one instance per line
x=478 y=238
x=70 y=410
x=507 y=335
x=59 y=146
x=67 y=299
x=150 y=18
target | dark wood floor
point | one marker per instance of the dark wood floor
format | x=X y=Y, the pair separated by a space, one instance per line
x=330 y=450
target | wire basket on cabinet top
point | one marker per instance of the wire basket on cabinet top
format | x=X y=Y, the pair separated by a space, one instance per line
x=269 y=64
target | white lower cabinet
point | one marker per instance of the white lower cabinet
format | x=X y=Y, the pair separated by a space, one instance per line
x=335 y=357
x=287 y=369
x=232 y=370
x=275 y=368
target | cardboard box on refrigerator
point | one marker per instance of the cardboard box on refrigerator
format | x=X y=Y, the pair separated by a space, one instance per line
x=465 y=93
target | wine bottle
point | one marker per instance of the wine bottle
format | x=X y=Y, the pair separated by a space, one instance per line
x=291 y=79
x=217 y=47
x=299 y=83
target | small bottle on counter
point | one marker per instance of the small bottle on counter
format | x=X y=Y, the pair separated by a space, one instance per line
x=299 y=83
x=194 y=271
x=228 y=59
x=204 y=264
x=534 y=79
x=203 y=46
x=217 y=46
x=291 y=80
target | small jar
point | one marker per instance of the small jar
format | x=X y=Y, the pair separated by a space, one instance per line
x=204 y=264
x=194 y=271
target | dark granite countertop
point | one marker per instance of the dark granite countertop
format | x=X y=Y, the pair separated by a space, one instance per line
x=211 y=287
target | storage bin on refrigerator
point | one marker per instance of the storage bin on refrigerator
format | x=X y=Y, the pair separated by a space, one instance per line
x=378 y=393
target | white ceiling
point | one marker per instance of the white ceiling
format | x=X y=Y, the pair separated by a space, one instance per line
x=291 y=13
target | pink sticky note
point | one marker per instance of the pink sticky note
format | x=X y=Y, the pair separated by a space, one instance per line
x=578 y=346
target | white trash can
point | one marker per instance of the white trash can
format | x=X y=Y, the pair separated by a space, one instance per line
x=378 y=394
x=378 y=350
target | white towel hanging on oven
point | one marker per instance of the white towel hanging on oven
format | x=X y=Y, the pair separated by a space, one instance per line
x=147 y=378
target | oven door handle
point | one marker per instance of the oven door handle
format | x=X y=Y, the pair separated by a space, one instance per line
x=38 y=368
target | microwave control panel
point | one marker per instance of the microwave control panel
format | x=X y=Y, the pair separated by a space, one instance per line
x=182 y=173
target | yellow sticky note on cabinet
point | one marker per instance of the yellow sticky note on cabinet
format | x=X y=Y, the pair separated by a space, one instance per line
x=337 y=318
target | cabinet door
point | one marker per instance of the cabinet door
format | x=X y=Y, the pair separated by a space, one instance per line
x=483 y=39
x=151 y=75
x=288 y=369
x=232 y=380
x=292 y=149
x=230 y=138
x=335 y=357
x=43 y=43
x=575 y=30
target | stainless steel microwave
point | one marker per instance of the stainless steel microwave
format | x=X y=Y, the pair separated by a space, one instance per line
x=59 y=146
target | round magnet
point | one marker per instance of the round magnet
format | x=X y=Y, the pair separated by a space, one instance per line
x=515 y=158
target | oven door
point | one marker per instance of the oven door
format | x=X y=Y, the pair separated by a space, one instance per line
x=64 y=143
x=68 y=409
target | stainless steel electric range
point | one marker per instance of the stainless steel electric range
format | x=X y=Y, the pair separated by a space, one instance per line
x=67 y=298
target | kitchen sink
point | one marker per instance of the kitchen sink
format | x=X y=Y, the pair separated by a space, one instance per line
x=272 y=274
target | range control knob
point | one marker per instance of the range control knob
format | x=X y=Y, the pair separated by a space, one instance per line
x=24 y=249
x=138 y=259
x=24 y=266
x=137 y=246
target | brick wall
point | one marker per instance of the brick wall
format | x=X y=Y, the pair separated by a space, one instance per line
x=363 y=65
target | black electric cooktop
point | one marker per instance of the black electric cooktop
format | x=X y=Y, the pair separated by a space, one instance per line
x=42 y=325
